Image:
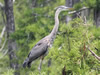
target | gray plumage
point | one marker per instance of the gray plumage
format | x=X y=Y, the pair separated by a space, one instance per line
x=37 y=51
x=41 y=48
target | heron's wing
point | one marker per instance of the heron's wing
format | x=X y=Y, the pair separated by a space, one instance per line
x=38 y=50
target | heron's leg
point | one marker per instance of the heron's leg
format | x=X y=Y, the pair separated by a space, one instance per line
x=39 y=67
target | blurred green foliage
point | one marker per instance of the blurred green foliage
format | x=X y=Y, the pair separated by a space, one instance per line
x=88 y=3
x=33 y=23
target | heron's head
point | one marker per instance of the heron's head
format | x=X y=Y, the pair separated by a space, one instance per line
x=63 y=8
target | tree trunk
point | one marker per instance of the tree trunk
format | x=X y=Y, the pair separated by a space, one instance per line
x=49 y=64
x=10 y=28
x=70 y=3
x=85 y=14
x=64 y=71
x=97 y=17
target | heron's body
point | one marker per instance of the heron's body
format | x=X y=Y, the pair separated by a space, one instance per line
x=41 y=48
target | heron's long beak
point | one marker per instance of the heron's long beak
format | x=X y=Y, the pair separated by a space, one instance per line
x=69 y=8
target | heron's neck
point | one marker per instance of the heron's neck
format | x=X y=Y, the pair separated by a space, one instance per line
x=55 y=29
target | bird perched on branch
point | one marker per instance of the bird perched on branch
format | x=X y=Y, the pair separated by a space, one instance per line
x=41 y=48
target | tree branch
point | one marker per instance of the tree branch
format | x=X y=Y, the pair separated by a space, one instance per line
x=76 y=11
x=3 y=44
x=4 y=28
x=13 y=1
x=97 y=57
x=2 y=33
x=4 y=54
x=1 y=5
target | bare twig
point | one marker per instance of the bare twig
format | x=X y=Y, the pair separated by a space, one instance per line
x=3 y=44
x=4 y=28
x=93 y=53
x=78 y=13
x=80 y=18
x=4 y=54
x=13 y=1
x=1 y=5
x=2 y=33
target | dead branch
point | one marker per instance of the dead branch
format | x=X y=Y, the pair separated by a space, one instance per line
x=96 y=56
x=3 y=44
x=13 y=1
x=82 y=19
x=2 y=33
x=5 y=53
x=1 y=5
x=4 y=28
x=76 y=11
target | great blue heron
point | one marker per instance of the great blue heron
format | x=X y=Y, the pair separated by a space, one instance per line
x=41 y=48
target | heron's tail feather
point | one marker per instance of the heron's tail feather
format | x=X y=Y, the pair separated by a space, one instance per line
x=25 y=63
